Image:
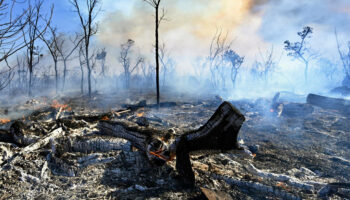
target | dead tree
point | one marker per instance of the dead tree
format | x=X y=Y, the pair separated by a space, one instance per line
x=101 y=56
x=11 y=27
x=158 y=19
x=36 y=27
x=218 y=47
x=267 y=63
x=235 y=61
x=168 y=64
x=345 y=59
x=89 y=28
x=124 y=59
x=54 y=45
x=65 y=53
x=81 y=63
x=300 y=51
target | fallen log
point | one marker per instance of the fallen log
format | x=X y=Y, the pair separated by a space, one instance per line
x=219 y=133
x=341 y=105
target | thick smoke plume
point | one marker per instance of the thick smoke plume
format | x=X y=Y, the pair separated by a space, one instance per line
x=254 y=27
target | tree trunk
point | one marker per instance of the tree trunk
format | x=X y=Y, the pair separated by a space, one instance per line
x=306 y=71
x=157 y=53
x=89 y=81
x=30 y=83
x=64 y=73
x=56 y=76
x=82 y=80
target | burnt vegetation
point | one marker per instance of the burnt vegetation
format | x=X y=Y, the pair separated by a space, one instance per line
x=73 y=125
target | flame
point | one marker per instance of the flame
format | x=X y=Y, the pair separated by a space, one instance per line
x=282 y=185
x=158 y=155
x=105 y=118
x=4 y=121
x=141 y=114
x=57 y=105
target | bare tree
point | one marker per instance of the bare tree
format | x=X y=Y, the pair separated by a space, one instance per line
x=300 y=51
x=65 y=53
x=54 y=45
x=124 y=59
x=168 y=64
x=235 y=61
x=11 y=27
x=82 y=63
x=101 y=56
x=345 y=59
x=36 y=27
x=89 y=28
x=218 y=47
x=158 y=19
x=268 y=63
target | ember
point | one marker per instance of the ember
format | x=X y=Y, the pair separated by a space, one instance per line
x=55 y=104
x=4 y=121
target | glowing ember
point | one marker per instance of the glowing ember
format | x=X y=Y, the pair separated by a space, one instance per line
x=4 y=121
x=57 y=105
x=282 y=185
x=140 y=114
x=105 y=118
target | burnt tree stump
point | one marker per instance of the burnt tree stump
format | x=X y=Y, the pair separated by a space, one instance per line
x=219 y=133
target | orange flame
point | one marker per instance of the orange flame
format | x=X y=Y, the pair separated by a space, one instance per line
x=140 y=114
x=105 y=118
x=4 y=121
x=57 y=105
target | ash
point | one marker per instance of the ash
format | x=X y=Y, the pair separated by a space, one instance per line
x=292 y=150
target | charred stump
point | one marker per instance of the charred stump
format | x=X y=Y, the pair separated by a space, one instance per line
x=219 y=133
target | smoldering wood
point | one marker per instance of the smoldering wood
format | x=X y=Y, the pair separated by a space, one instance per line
x=340 y=105
x=219 y=133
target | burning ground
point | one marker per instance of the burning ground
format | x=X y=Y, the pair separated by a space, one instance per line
x=54 y=149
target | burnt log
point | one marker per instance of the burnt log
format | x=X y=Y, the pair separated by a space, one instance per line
x=341 y=105
x=219 y=133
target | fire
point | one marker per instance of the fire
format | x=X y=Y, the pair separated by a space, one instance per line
x=282 y=185
x=141 y=114
x=158 y=155
x=4 y=121
x=105 y=118
x=57 y=105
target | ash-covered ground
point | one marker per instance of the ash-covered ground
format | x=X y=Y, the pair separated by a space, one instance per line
x=292 y=150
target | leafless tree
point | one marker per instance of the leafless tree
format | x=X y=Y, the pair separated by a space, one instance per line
x=36 y=27
x=218 y=47
x=300 y=50
x=268 y=63
x=159 y=17
x=235 y=61
x=101 y=56
x=67 y=51
x=124 y=59
x=11 y=27
x=344 y=57
x=81 y=63
x=54 y=45
x=168 y=64
x=89 y=28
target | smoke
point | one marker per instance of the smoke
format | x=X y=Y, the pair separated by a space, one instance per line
x=253 y=26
